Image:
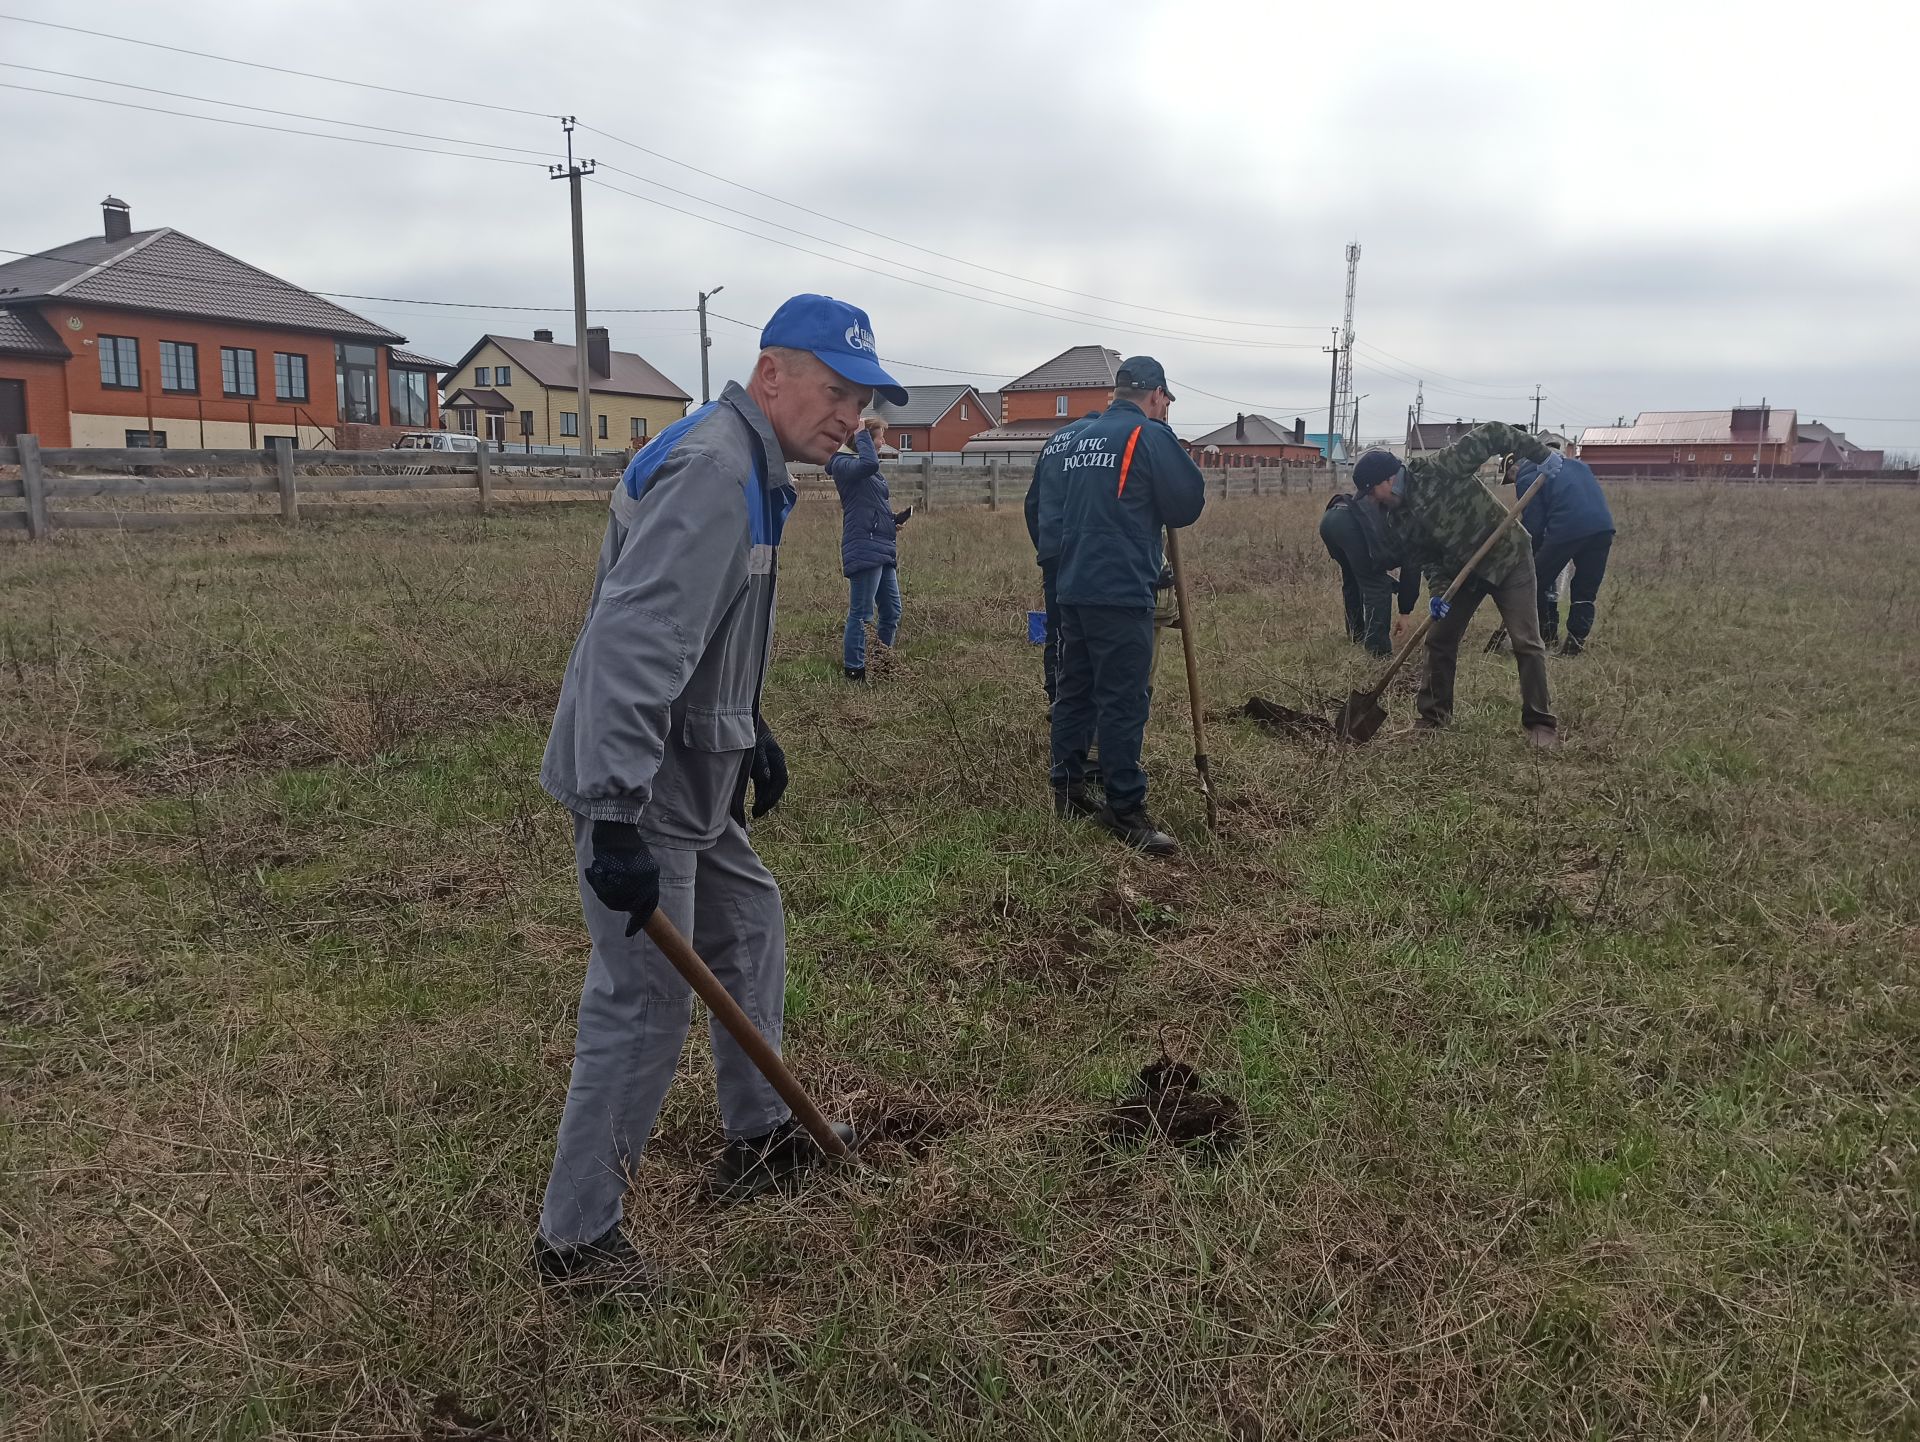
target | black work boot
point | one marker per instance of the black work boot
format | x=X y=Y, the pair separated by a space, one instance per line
x=1573 y=645
x=606 y=1266
x=856 y=673
x=1074 y=802
x=1136 y=828
x=751 y=1165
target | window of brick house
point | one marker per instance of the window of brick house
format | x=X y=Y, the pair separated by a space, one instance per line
x=146 y=440
x=637 y=428
x=179 y=367
x=119 y=363
x=569 y=423
x=1059 y=405
x=503 y=375
x=289 y=376
x=482 y=376
x=237 y=374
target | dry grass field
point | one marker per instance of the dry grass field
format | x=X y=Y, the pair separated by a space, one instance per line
x=1581 y=1092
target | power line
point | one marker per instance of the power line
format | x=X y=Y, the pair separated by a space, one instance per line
x=1112 y=325
x=1064 y=312
x=713 y=314
x=134 y=268
x=280 y=69
x=924 y=250
x=278 y=129
x=1429 y=371
x=264 y=109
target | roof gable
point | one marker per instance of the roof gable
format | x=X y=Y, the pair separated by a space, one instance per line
x=1083 y=367
x=928 y=405
x=168 y=271
x=1260 y=432
x=24 y=333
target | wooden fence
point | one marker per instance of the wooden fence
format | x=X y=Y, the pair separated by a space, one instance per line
x=129 y=481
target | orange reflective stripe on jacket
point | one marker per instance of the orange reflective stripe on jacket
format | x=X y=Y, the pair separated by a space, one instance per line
x=1126 y=460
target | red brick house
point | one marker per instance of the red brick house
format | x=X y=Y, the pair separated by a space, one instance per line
x=137 y=338
x=935 y=418
x=1701 y=443
x=1254 y=441
x=1037 y=404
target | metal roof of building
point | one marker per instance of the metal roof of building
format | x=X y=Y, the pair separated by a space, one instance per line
x=1017 y=435
x=1083 y=367
x=23 y=332
x=168 y=271
x=413 y=360
x=479 y=398
x=557 y=367
x=927 y=404
x=1689 y=428
x=1260 y=432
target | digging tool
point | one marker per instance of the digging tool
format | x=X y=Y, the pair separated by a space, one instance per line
x=1363 y=714
x=678 y=950
x=1193 y=678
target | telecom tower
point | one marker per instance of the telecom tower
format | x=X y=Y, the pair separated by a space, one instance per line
x=1348 y=412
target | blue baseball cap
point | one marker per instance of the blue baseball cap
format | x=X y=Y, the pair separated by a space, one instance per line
x=836 y=334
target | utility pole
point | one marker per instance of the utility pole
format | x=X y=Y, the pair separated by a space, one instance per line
x=705 y=296
x=1536 y=410
x=1346 y=339
x=1333 y=398
x=573 y=171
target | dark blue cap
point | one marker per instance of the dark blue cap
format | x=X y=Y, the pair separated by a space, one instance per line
x=838 y=335
x=1373 y=468
x=1142 y=373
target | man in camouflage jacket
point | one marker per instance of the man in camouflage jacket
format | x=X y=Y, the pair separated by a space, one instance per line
x=1437 y=513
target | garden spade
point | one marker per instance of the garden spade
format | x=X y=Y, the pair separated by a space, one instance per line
x=1193 y=678
x=1362 y=715
x=678 y=950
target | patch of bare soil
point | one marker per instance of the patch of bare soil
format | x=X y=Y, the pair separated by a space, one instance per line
x=1284 y=720
x=1169 y=1099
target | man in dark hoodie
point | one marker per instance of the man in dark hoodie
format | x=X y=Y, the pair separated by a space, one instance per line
x=1571 y=524
x=869 y=550
x=1350 y=529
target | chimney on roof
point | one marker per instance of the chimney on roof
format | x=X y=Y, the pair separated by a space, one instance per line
x=1747 y=419
x=1299 y=431
x=545 y=335
x=599 y=353
x=118 y=216
x=1240 y=428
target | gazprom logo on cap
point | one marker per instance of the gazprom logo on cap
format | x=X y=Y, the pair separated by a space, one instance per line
x=861 y=338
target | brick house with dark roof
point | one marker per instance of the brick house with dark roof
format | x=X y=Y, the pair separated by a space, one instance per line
x=935 y=418
x=1035 y=405
x=133 y=338
x=1254 y=441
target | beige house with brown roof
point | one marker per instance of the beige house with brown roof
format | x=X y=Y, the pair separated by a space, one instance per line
x=528 y=391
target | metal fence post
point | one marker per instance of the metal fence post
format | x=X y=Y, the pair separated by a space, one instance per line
x=926 y=482
x=993 y=486
x=483 y=478
x=34 y=483
x=289 y=495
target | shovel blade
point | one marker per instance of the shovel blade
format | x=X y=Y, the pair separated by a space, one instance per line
x=1360 y=717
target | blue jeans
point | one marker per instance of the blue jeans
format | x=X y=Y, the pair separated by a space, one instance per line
x=1104 y=687
x=881 y=583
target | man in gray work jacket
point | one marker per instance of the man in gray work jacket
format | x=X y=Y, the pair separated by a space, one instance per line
x=657 y=733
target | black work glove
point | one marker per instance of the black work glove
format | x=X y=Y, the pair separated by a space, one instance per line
x=623 y=874
x=768 y=770
x=900 y=518
x=1165 y=579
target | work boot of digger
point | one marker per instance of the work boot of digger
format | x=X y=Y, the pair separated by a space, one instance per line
x=1074 y=802
x=749 y=1166
x=1136 y=828
x=607 y=1267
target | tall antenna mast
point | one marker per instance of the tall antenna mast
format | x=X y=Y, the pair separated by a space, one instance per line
x=1348 y=411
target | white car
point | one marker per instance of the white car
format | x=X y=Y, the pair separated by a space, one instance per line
x=437 y=441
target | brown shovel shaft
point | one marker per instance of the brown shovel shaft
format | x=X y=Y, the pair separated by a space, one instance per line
x=678 y=950
x=1486 y=548
x=1193 y=674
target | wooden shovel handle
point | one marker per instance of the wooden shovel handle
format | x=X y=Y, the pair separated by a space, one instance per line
x=1486 y=547
x=1200 y=762
x=678 y=950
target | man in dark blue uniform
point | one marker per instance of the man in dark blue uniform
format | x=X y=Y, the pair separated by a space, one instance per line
x=1044 y=497
x=1122 y=479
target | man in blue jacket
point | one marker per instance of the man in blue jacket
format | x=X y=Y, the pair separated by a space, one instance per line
x=869 y=554
x=1570 y=522
x=1123 y=477
x=1044 y=497
x=656 y=735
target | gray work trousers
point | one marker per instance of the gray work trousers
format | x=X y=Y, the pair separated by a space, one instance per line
x=1518 y=601
x=634 y=1013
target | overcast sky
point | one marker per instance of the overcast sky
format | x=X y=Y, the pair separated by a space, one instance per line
x=1636 y=206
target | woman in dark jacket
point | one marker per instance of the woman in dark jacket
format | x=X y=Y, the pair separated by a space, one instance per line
x=867 y=549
